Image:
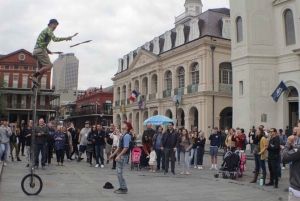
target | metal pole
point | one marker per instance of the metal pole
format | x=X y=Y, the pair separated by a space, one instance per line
x=212 y=47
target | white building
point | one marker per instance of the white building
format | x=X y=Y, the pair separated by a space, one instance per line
x=191 y=61
x=265 y=51
x=65 y=72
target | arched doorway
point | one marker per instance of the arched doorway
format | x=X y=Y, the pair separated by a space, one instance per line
x=180 y=117
x=155 y=113
x=130 y=117
x=145 y=116
x=226 y=118
x=118 y=122
x=194 y=118
x=169 y=114
x=293 y=106
x=124 y=118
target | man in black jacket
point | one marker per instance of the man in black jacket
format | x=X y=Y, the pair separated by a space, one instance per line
x=99 y=140
x=41 y=137
x=22 y=138
x=169 y=143
x=273 y=157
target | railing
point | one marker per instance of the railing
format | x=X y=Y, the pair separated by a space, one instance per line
x=47 y=107
x=90 y=112
x=152 y=96
x=167 y=93
x=117 y=103
x=179 y=91
x=225 y=87
x=183 y=15
x=123 y=101
x=193 y=88
x=18 y=106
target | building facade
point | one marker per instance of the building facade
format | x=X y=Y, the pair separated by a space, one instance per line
x=65 y=72
x=94 y=105
x=190 y=64
x=15 y=70
x=265 y=51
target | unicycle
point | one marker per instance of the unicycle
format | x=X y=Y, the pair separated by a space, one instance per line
x=32 y=184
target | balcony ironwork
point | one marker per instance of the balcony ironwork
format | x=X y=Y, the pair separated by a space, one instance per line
x=225 y=88
x=193 y=88
x=179 y=91
x=117 y=103
x=123 y=101
x=167 y=93
x=91 y=112
x=152 y=96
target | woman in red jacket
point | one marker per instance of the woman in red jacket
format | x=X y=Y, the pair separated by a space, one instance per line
x=240 y=140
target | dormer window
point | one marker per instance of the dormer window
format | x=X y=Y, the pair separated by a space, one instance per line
x=120 y=65
x=180 y=35
x=130 y=58
x=168 y=41
x=194 y=29
x=125 y=62
x=156 y=45
x=147 y=46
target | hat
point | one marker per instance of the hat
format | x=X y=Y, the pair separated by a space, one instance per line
x=129 y=126
x=53 y=21
x=108 y=185
x=87 y=122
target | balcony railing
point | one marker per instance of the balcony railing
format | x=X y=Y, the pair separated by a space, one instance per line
x=167 y=93
x=193 y=88
x=90 y=112
x=225 y=87
x=179 y=91
x=47 y=107
x=123 y=101
x=117 y=103
x=152 y=96
x=18 y=106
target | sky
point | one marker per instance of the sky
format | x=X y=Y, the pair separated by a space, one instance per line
x=115 y=27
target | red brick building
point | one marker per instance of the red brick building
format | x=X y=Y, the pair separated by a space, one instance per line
x=94 y=105
x=15 y=70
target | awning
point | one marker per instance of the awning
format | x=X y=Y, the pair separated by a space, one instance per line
x=86 y=105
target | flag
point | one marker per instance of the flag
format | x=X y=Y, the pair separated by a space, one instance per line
x=134 y=95
x=278 y=91
x=142 y=104
x=123 y=108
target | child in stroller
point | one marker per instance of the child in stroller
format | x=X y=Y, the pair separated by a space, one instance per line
x=232 y=165
x=136 y=154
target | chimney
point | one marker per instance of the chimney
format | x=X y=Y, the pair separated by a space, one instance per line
x=101 y=88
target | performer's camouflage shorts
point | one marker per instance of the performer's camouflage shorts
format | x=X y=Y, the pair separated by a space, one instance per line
x=42 y=56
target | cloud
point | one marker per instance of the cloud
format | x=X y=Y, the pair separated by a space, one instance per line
x=115 y=26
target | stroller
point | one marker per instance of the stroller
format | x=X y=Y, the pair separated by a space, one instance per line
x=232 y=166
x=135 y=158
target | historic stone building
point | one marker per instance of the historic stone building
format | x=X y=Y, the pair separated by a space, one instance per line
x=265 y=51
x=190 y=63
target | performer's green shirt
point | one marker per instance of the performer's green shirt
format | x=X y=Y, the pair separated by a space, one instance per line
x=45 y=37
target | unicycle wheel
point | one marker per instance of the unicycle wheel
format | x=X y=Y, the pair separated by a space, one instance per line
x=31 y=184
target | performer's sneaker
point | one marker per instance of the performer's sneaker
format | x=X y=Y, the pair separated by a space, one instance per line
x=34 y=80
x=121 y=191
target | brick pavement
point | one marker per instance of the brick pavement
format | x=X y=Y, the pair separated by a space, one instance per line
x=78 y=182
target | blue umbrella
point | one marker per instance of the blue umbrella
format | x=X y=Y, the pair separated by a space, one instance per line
x=158 y=120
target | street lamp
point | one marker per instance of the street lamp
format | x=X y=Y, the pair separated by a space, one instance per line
x=176 y=105
x=101 y=115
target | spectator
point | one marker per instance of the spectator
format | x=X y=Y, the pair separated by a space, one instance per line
x=169 y=146
x=28 y=133
x=147 y=142
x=240 y=140
x=109 y=142
x=159 y=153
x=178 y=147
x=230 y=144
x=23 y=127
x=115 y=136
x=13 y=143
x=193 y=151
x=41 y=136
x=99 y=140
x=152 y=159
x=68 y=142
x=283 y=139
x=74 y=133
x=273 y=156
x=259 y=154
x=59 y=145
x=185 y=146
x=90 y=145
x=83 y=140
x=222 y=138
x=214 y=144
x=251 y=137
x=50 y=143
x=200 y=142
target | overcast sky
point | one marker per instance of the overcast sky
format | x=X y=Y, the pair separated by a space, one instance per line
x=115 y=26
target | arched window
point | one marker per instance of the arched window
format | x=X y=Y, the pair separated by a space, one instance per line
x=195 y=73
x=239 y=29
x=129 y=90
x=118 y=93
x=225 y=73
x=289 y=27
x=169 y=80
x=145 y=86
x=154 y=84
x=124 y=92
x=181 y=80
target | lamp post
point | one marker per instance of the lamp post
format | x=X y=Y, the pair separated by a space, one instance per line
x=176 y=105
x=101 y=115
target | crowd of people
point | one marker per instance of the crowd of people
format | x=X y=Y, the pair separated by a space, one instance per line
x=159 y=147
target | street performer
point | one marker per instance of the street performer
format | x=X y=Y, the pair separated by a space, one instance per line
x=41 y=51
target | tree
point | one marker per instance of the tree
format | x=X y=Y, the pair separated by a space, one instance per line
x=3 y=100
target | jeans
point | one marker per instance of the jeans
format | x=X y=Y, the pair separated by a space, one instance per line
x=169 y=152
x=37 y=149
x=121 y=163
x=260 y=164
x=178 y=153
x=99 y=154
x=22 y=143
x=193 y=155
x=185 y=160
x=49 y=152
x=75 y=150
x=273 y=168
x=252 y=147
x=279 y=166
x=160 y=155
x=12 y=147
x=60 y=155
x=4 y=147
x=200 y=154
